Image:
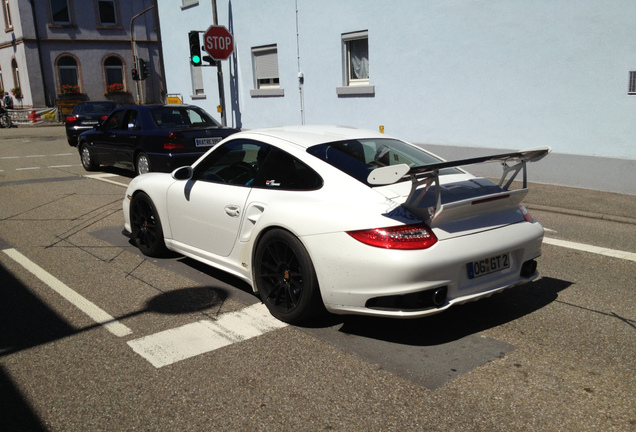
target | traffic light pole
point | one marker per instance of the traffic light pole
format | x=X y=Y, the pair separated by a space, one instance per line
x=133 y=47
x=219 y=71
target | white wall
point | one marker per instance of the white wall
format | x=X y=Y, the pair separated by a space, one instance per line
x=484 y=74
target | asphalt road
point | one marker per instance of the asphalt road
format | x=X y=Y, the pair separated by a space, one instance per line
x=96 y=337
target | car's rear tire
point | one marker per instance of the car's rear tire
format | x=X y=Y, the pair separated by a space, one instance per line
x=5 y=120
x=147 y=233
x=285 y=278
x=87 y=159
x=142 y=165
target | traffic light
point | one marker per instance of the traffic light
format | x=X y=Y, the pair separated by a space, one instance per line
x=195 y=48
x=143 y=69
x=135 y=74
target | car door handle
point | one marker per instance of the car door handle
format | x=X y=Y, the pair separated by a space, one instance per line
x=233 y=210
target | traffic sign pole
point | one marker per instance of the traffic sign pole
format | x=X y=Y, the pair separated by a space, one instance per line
x=219 y=69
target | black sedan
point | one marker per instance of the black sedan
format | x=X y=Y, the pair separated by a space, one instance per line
x=151 y=138
x=84 y=116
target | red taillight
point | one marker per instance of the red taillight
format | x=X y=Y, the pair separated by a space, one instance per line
x=70 y=119
x=417 y=236
x=104 y=117
x=526 y=214
x=173 y=146
x=173 y=142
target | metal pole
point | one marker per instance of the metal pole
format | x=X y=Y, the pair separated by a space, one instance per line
x=219 y=71
x=133 y=47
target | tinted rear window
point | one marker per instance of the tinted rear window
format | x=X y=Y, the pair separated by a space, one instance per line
x=180 y=117
x=359 y=157
x=94 y=108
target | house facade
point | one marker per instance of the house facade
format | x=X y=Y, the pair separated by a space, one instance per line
x=462 y=78
x=68 y=50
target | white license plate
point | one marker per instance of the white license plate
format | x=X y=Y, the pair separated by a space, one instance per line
x=89 y=122
x=206 y=142
x=488 y=265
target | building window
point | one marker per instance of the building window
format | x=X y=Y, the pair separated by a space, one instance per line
x=355 y=62
x=356 y=48
x=8 y=24
x=266 y=78
x=16 y=73
x=107 y=12
x=632 y=83
x=198 y=92
x=187 y=3
x=60 y=12
x=113 y=71
x=67 y=71
x=266 y=67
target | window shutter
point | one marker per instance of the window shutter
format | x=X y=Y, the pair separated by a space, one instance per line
x=266 y=63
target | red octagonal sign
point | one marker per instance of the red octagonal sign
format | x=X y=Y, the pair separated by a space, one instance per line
x=218 y=42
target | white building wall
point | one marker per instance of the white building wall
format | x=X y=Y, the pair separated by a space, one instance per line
x=465 y=74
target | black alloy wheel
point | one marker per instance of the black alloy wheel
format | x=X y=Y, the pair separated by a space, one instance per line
x=146 y=226
x=285 y=278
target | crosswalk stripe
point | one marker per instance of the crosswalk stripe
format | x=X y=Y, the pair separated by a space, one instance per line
x=173 y=345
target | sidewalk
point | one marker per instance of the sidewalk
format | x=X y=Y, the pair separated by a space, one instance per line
x=582 y=202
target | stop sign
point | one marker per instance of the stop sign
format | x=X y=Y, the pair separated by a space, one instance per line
x=218 y=42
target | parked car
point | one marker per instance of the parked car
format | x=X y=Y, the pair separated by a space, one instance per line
x=349 y=220
x=84 y=116
x=151 y=138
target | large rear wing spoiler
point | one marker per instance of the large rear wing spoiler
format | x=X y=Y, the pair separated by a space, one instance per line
x=426 y=175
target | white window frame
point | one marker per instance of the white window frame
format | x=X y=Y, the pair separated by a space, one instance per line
x=68 y=10
x=188 y=3
x=265 y=72
x=7 y=16
x=99 y=15
x=119 y=70
x=354 y=86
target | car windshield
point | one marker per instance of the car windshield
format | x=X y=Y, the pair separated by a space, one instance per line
x=359 y=157
x=182 y=117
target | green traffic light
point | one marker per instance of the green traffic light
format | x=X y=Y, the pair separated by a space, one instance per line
x=196 y=59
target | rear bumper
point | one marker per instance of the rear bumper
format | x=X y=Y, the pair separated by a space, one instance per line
x=353 y=276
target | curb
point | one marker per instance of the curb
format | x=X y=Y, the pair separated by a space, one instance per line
x=580 y=213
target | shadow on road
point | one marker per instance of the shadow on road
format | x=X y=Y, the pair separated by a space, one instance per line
x=459 y=321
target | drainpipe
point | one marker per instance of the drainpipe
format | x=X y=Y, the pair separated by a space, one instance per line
x=37 y=41
x=301 y=76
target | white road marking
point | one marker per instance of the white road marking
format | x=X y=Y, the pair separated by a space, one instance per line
x=36 y=156
x=103 y=177
x=90 y=309
x=170 y=346
x=593 y=249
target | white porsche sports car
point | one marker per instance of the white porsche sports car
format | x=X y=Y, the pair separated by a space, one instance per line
x=342 y=219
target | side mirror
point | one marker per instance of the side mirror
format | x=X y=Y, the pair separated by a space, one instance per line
x=183 y=173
